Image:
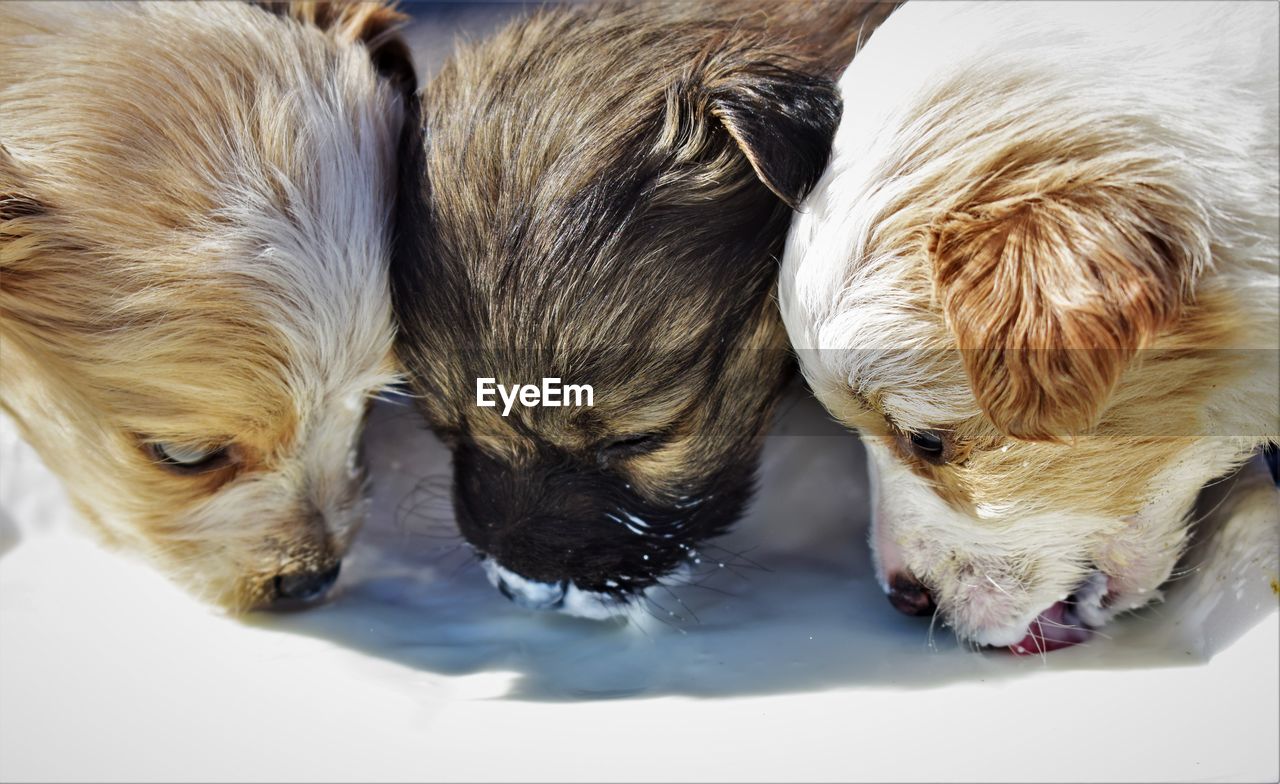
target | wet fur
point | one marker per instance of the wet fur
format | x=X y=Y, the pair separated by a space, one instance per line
x=194 y=231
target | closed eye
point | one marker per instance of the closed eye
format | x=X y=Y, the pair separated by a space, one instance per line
x=187 y=458
x=630 y=446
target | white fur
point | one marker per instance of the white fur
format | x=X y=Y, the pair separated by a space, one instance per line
x=1197 y=83
x=570 y=599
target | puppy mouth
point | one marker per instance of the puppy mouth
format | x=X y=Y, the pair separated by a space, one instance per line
x=564 y=596
x=1069 y=621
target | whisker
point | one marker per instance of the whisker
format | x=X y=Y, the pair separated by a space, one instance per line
x=998 y=586
x=700 y=584
x=741 y=556
x=680 y=601
x=663 y=621
x=933 y=620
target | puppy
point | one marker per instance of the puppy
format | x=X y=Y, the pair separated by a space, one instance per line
x=601 y=193
x=194 y=309
x=1040 y=276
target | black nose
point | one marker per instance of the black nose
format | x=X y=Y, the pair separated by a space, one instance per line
x=909 y=596
x=305 y=586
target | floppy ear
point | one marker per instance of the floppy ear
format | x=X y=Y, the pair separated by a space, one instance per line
x=783 y=121
x=376 y=25
x=1049 y=296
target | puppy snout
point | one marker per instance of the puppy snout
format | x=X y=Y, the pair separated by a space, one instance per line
x=306 y=586
x=909 y=596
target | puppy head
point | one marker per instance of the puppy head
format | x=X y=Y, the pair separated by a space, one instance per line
x=195 y=311
x=1001 y=303
x=604 y=196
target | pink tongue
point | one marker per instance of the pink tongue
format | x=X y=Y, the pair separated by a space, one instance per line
x=1050 y=631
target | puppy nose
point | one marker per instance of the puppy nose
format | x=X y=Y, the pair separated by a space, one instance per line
x=533 y=596
x=909 y=596
x=305 y=586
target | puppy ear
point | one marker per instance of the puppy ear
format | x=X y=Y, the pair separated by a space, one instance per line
x=782 y=119
x=1050 y=296
x=376 y=25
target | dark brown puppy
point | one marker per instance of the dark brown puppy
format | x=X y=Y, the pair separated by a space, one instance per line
x=600 y=194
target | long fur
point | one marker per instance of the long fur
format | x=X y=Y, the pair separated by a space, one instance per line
x=601 y=194
x=1048 y=234
x=194 y=232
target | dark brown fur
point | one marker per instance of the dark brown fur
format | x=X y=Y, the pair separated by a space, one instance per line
x=604 y=192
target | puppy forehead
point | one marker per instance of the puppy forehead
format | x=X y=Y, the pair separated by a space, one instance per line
x=907 y=389
x=528 y=197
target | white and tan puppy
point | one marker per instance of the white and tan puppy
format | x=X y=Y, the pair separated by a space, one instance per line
x=1040 y=276
x=194 y=204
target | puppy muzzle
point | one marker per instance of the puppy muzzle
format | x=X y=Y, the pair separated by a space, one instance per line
x=303 y=587
x=530 y=594
x=563 y=597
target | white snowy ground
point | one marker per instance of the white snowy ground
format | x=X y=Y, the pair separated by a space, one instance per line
x=418 y=669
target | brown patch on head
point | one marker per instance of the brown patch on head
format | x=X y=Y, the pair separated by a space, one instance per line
x=1050 y=286
x=1155 y=413
x=940 y=472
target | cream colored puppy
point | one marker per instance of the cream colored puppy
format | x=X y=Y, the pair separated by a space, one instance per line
x=194 y=204
x=1040 y=275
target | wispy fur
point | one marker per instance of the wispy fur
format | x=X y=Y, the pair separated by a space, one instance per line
x=1049 y=233
x=194 y=230
x=603 y=194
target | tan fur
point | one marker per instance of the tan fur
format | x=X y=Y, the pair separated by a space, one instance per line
x=1054 y=276
x=373 y=24
x=1157 y=410
x=193 y=203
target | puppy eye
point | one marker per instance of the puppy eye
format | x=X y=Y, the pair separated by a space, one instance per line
x=929 y=445
x=187 y=458
x=630 y=446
